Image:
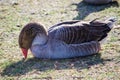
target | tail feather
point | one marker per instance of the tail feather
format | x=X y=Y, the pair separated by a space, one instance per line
x=111 y=21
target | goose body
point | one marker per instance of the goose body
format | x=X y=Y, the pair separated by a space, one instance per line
x=97 y=2
x=57 y=49
x=64 y=40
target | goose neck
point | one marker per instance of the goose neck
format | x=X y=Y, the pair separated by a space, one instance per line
x=40 y=39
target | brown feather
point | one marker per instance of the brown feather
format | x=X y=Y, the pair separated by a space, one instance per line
x=28 y=33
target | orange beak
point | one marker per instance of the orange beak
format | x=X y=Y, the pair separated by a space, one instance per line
x=25 y=52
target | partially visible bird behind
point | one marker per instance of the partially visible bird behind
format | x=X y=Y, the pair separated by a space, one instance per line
x=64 y=40
x=99 y=2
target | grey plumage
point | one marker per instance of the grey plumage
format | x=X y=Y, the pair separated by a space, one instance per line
x=57 y=49
x=76 y=32
x=65 y=40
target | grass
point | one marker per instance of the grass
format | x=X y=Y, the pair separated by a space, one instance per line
x=14 y=14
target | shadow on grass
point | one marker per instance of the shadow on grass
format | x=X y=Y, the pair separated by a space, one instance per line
x=85 y=9
x=21 y=67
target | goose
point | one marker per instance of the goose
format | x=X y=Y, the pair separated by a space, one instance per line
x=97 y=2
x=64 y=40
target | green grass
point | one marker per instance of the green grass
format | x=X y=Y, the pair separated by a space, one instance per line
x=15 y=14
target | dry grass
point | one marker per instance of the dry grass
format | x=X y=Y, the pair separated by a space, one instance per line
x=14 y=14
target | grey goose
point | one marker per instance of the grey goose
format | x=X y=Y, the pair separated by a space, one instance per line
x=64 y=40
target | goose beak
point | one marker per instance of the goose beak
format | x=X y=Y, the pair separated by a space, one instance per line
x=25 y=52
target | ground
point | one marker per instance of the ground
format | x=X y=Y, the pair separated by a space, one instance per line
x=14 y=14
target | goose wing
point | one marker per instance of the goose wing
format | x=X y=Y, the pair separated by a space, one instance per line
x=75 y=32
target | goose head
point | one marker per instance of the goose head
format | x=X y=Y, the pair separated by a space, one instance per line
x=27 y=35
